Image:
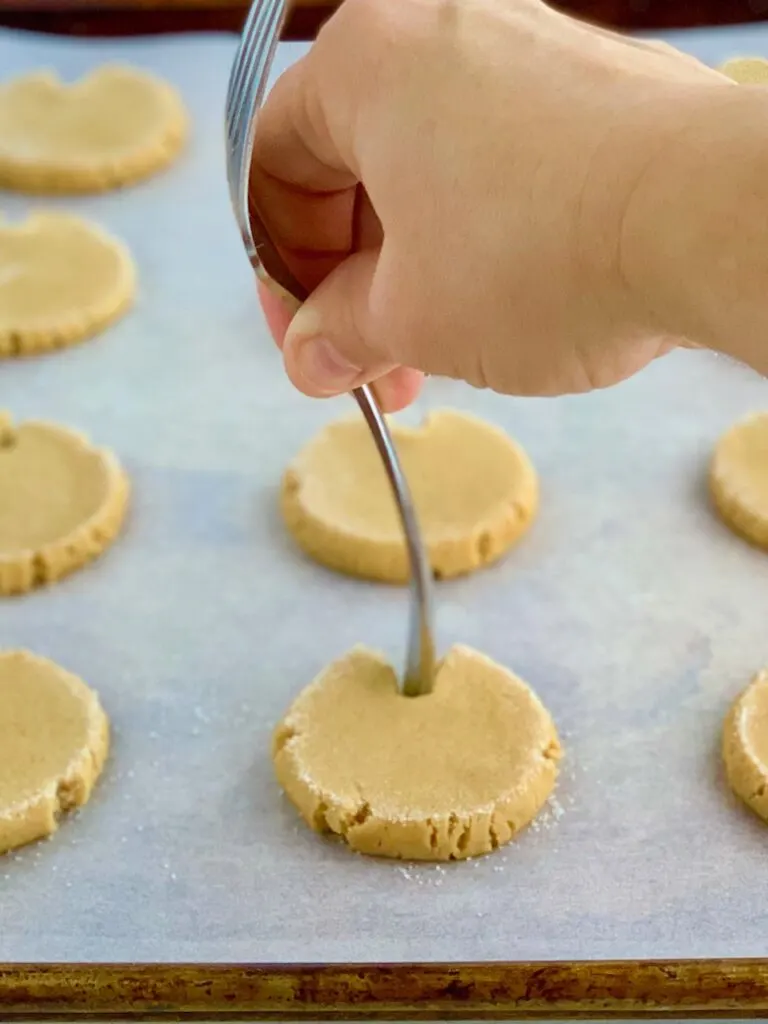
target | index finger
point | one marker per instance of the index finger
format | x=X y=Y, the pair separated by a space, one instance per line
x=304 y=181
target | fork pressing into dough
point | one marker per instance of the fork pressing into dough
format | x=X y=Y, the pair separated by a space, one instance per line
x=247 y=87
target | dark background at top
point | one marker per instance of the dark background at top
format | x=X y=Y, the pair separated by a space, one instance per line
x=121 y=17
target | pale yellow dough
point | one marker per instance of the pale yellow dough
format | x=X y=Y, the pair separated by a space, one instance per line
x=111 y=128
x=450 y=775
x=739 y=478
x=54 y=738
x=62 y=502
x=745 y=745
x=746 y=70
x=62 y=279
x=474 y=489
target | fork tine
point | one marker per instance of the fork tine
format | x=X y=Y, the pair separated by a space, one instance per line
x=248 y=40
x=262 y=54
x=255 y=82
x=247 y=84
x=243 y=49
x=254 y=56
x=241 y=115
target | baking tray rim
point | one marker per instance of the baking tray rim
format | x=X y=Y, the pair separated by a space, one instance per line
x=695 y=988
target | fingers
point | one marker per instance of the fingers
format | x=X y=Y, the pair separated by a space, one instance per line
x=303 y=171
x=305 y=174
x=276 y=313
x=395 y=390
x=399 y=388
x=330 y=344
x=294 y=142
x=303 y=190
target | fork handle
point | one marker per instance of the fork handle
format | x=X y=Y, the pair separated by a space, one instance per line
x=420 y=665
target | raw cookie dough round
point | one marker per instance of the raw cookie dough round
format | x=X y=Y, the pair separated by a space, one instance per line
x=450 y=775
x=474 y=488
x=746 y=70
x=745 y=745
x=111 y=128
x=738 y=478
x=62 y=502
x=61 y=280
x=54 y=738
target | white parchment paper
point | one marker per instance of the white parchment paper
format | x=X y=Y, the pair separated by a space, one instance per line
x=635 y=614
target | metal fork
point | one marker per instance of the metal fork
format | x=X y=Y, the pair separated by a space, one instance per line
x=247 y=86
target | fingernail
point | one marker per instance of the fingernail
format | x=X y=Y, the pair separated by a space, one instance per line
x=324 y=367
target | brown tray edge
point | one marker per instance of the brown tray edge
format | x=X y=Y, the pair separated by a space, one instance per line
x=501 y=991
x=148 y=17
x=638 y=14
x=304 y=20
x=86 y=18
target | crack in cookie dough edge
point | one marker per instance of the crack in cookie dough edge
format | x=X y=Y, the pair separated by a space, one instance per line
x=30 y=820
x=27 y=569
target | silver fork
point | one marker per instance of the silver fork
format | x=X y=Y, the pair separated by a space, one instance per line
x=247 y=85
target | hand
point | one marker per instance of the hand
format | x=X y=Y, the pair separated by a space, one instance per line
x=452 y=178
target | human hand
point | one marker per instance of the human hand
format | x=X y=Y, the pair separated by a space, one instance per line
x=452 y=179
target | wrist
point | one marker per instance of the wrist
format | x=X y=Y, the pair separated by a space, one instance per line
x=694 y=243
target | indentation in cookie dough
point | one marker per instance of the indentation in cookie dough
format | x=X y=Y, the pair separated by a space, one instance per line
x=746 y=70
x=738 y=478
x=62 y=279
x=111 y=128
x=450 y=775
x=54 y=738
x=745 y=745
x=62 y=502
x=474 y=488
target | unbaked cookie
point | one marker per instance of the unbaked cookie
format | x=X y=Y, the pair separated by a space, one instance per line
x=746 y=70
x=113 y=127
x=474 y=489
x=745 y=745
x=54 y=738
x=62 y=279
x=62 y=502
x=450 y=775
x=738 y=478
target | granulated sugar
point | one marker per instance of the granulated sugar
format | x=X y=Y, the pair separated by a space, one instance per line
x=545 y=821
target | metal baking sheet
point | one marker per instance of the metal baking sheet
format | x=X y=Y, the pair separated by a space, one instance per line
x=635 y=614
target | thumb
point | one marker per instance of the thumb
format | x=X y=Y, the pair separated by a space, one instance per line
x=329 y=346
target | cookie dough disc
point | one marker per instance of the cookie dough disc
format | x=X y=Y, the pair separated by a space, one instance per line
x=54 y=738
x=446 y=776
x=62 y=503
x=745 y=745
x=111 y=128
x=61 y=280
x=739 y=478
x=474 y=489
x=746 y=70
